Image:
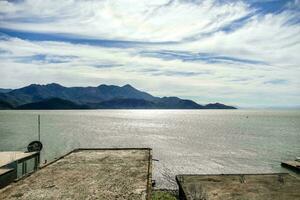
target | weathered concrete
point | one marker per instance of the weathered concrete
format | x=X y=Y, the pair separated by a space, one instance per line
x=250 y=187
x=89 y=174
x=7 y=157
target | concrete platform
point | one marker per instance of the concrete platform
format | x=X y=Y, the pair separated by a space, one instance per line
x=89 y=174
x=238 y=186
x=7 y=157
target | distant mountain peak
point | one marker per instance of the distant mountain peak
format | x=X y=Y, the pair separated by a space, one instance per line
x=33 y=85
x=54 y=85
x=127 y=86
x=45 y=85
x=124 y=86
x=102 y=85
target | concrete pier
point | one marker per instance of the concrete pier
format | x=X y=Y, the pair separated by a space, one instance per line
x=16 y=164
x=293 y=165
x=89 y=174
x=239 y=186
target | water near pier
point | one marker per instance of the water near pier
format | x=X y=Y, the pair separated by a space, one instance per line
x=183 y=141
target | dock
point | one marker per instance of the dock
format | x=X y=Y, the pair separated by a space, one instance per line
x=89 y=174
x=239 y=186
x=293 y=165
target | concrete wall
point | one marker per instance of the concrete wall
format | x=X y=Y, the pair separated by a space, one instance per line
x=7 y=178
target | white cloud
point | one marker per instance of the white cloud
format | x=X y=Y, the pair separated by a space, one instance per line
x=121 y=20
x=241 y=67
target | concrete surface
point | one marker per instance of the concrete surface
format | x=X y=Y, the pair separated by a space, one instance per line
x=7 y=157
x=234 y=187
x=89 y=174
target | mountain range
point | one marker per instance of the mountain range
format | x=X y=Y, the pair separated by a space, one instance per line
x=55 y=96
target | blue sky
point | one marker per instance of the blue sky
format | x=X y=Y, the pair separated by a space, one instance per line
x=243 y=53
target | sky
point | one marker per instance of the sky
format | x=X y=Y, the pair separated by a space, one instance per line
x=244 y=53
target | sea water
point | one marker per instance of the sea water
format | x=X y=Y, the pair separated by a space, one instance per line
x=183 y=141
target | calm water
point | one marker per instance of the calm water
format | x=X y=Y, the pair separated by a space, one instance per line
x=184 y=141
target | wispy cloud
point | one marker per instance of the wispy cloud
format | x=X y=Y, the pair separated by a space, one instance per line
x=159 y=72
x=44 y=58
x=194 y=57
x=237 y=52
x=276 y=81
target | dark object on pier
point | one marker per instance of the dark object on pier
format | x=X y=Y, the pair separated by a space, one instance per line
x=34 y=146
x=153 y=183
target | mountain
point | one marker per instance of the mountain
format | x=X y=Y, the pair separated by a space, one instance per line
x=5 y=106
x=175 y=102
x=126 y=104
x=55 y=96
x=79 y=95
x=53 y=103
x=159 y=103
x=2 y=90
x=218 y=106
